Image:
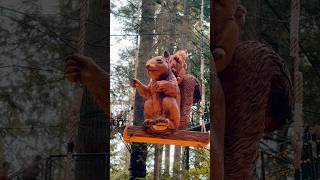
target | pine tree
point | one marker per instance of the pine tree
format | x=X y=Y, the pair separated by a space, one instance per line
x=139 y=150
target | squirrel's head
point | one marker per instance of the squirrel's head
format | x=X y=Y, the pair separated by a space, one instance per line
x=158 y=67
x=178 y=62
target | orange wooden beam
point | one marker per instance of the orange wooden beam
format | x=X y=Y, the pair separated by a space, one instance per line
x=178 y=137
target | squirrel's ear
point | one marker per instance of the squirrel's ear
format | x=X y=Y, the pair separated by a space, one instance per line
x=166 y=54
x=186 y=51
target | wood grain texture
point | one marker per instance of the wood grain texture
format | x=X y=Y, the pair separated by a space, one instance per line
x=258 y=95
x=178 y=137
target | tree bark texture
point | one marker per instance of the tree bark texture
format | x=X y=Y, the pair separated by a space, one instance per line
x=157 y=161
x=138 y=150
x=94 y=128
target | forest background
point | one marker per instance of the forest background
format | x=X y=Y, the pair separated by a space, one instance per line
x=35 y=36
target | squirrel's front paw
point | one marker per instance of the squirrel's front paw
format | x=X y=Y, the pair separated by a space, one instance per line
x=148 y=123
x=161 y=124
x=134 y=83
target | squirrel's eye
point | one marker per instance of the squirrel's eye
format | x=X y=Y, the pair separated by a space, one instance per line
x=159 y=61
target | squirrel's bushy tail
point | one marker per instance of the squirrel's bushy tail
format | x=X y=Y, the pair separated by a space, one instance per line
x=258 y=94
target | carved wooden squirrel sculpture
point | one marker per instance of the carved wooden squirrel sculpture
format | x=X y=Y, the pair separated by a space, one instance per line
x=190 y=88
x=179 y=65
x=227 y=30
x=161 y=95
x=257 y=89
x=83 y=69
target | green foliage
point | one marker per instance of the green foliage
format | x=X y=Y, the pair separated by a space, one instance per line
x=200 y=164
x=121 y=73
x=119 y=161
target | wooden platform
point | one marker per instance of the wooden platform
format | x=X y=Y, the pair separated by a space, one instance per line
x=178 y=137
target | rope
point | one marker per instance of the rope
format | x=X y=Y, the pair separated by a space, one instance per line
x=298 y=83
x=84 y=12
x=77 y=92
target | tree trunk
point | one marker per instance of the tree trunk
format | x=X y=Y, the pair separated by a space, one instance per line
x=185 y=163
x=184 y=45
x=157 y=161
x=185 y=26
x=171 y=10
x=138 y=150
x=167 y=26
x=93 y=132
x=177 y=163
x=297 y=141
x=203 y=87
x=172 y=27
x=167 y=162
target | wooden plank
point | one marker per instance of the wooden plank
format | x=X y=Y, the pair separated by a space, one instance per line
x=178 y=137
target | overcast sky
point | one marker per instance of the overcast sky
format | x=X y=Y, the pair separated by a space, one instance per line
x=116 y=45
